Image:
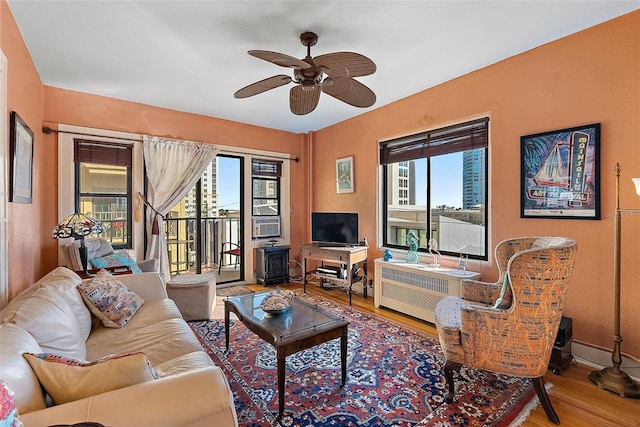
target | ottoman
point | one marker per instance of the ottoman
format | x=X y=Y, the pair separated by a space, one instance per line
x=194 y=294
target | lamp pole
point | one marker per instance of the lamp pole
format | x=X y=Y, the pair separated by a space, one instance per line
x=613 y=378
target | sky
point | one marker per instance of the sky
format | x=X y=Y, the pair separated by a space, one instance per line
x=448 y=189
x=228 y=183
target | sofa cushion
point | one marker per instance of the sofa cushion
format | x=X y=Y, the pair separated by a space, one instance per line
x=68 y=290
x=67 y=379
x=110 y=300
x=185 y=363
x=161 y=341
x=16 y=372
x=151 y=313
x=65 y=281
x=49 y=319
x=116 y=259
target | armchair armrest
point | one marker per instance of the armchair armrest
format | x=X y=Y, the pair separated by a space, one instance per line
x=477 y=291
x=196 y=398
x=149 y=286
x=492 y=332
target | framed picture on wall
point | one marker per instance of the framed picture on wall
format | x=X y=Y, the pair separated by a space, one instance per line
x=561 y=173
x=344 y=175
x=21 y=155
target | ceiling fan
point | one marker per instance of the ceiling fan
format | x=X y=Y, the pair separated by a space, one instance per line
x=332 y=73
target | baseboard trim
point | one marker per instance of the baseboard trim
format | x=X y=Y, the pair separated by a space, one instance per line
x=598 y=358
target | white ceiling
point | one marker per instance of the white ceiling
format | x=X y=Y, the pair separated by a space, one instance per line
x=192 y=55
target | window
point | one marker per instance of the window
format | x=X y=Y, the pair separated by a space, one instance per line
x=103 y=187
x=265 y=199
x=445 y=195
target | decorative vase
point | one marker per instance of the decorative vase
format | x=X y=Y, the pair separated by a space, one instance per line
x=387 y=255
x=412 y=242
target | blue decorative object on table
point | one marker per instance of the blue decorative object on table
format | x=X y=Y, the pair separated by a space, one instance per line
x=412 y=242
x=387 y=255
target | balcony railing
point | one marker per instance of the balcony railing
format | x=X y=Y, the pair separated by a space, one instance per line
x=182 y=241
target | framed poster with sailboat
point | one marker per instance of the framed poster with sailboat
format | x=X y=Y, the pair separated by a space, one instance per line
x=561 y=173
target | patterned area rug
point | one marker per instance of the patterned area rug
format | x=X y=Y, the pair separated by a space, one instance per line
x=228 y=291
x=394 y=379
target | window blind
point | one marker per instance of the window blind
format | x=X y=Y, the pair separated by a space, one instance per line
x=105 y=153
x=266 y=168
x=450 y=139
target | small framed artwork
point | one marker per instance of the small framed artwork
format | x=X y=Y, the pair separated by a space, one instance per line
x=561 y=173
x=344 y=175
x=21 y=155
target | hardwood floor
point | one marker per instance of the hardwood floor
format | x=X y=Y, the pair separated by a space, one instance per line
x=577 y=401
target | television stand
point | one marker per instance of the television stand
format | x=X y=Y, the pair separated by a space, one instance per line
x=347 y=256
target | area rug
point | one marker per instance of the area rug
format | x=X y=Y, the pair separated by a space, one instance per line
x=229 y=291
x=394 y=379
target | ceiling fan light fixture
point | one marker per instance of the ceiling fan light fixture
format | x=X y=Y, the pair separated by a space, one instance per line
x=332 y=73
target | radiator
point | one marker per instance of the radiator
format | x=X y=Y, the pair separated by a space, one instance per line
x=415 y=289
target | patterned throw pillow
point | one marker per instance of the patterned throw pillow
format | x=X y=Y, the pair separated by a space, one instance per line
x=8 y=412
x=116 y=260
x=110 y=300
x=66 y=379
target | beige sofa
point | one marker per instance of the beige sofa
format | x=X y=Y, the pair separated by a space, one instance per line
x=189 y=391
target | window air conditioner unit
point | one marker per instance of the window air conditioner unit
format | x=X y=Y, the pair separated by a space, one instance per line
x=266 y=226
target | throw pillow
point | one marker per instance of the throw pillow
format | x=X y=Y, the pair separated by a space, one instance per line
x=110 y=300
x=8 y=412
x=506 y=294
x=116 y=260
x=67 y=379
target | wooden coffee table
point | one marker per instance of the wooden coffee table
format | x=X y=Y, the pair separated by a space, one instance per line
x=302 y=326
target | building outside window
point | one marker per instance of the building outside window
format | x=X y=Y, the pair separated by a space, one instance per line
x=445 y=197
x=103 y=187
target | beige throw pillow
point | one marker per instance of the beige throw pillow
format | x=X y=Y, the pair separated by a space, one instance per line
x=110 y=300
x=66 y=379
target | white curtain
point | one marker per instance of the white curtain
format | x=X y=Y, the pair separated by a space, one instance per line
x=173 y=167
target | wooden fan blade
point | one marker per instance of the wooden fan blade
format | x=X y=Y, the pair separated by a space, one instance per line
x=345 y=64
x=263 y=86
x=303 y=101
x=279 y=59
x=350 y=91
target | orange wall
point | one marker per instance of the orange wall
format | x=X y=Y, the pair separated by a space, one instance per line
x=27 y=234
x=592 y=76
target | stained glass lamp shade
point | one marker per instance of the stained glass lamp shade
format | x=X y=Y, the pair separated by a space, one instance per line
x=77 y=226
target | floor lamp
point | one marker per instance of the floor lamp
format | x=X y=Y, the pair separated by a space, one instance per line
x=613 y=378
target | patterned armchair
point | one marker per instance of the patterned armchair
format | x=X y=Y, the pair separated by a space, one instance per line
x=509 y=327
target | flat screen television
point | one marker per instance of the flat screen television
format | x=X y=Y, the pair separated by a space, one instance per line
x=334 y=228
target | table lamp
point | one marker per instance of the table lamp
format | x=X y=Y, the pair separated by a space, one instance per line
x=77 y=226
